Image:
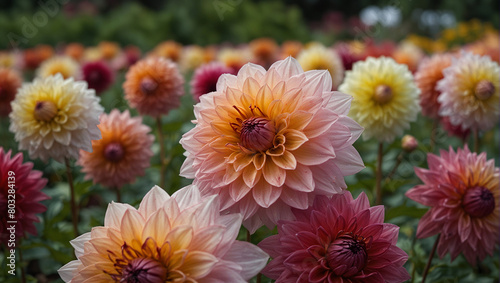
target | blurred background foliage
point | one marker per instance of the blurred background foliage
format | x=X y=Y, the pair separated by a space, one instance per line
x=147 y=23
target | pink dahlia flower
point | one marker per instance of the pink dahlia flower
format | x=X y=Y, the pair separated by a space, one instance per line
x=19 y=183
x=205 y=78
x=336 y=240
x=463 y=192
x=268 y=141
x=182 y=238
x=98 y=75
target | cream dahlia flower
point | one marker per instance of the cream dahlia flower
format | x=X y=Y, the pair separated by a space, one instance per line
x=54 y=117
x=386 y=98
x=265 y=141
x=470 y=92
x=318 y=57
x=182 y=238
x=64 y=65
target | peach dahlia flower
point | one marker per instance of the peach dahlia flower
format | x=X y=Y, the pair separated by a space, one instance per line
x=265 y=141
x=182 y=238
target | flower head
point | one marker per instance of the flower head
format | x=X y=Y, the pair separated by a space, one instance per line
x=10 y=81
x=454 y=130
x=74 y=50
x=409 y=54
x=98 y=75
x=205 y=78
x=318 y=57
x=290 y=48
x=154 y=86
x=182 y=238
x=54 y=117
x=426 y=78
x=470 y=92
x=192 y=57
x=463 y=191
x=265 y=51
x=336 y=240
x=64 y=65
x=168 y=50
x=235 y=58
x=385 y=97
x=263 y=140
x=122 y=154
x=26 y=186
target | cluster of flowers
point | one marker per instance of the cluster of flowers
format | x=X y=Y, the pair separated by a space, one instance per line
x=271 y=146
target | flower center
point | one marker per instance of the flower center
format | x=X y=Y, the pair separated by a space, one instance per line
x=478 y=202
x=347 y=256
x=114 y=152
x=484 y=90
x=257 y=134
x=144 y=270
x=45 y=111
x=94 y=76
x=383 y=94
x=148 y=85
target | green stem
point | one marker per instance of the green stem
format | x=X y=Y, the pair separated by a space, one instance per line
x=475 y=134
x=431 y=255
x=378 y=184
x=162 y=152
x=23 y=271
x=433 y=134
x=74 y=208
x=393 y=171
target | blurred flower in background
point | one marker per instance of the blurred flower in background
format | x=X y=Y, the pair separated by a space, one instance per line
x=123 y=152
x=10 y=81
x=205 y=78
x=64 y=65
x=462 y=190
x=98 y=76
x=318 y=57
x=55 y=118
x=26 y=186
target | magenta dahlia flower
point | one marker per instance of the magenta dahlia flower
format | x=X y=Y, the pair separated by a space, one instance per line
x=268 y=141
x=205 y=78
x=336 y=240
x=463 y=192
x=98 y=75
x=20 y=183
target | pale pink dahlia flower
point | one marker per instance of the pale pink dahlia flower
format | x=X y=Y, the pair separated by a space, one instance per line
x=463 y=192
x=470 y=92
x=182 y=238
x=268 y=141
x=336 y=240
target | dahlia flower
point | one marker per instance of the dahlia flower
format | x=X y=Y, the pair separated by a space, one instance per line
x=154 y=86
x=181 y=238
x=235 y=58
x=10 y=81
x=470 y=92
x=122 y=154
x=426 y=78
x=290 y=48
x=463 y=192
x=318 y=57
x=26 y=186
x=64 y=65
x=54 y=117
x=192 y=57
x=75 y=51
x=409 y=54
x=336 y=240
x=109 y=50
x=454 y=130
x=168 y=50
x=205 y=78
x=265 y=51
x=265 y=141
x=385 y=97
x=98 y=75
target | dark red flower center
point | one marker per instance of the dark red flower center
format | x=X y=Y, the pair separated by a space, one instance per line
x=148 y=85
x=114 y=152
x=346 y=256
x=257 y=133
x=144 y=270
x=478 y=202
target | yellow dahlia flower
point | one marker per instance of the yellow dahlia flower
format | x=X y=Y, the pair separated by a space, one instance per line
x=470 y=92
x=64 y=65
x=53 y=117
x=318 y=57
x=178 y=238
x=386 y=98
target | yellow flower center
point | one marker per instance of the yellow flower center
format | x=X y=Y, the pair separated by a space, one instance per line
x=383 y=94
x=45 y=111
x=484 y=90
